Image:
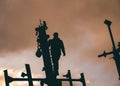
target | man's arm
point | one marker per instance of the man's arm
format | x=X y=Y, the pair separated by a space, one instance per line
x=63 y=48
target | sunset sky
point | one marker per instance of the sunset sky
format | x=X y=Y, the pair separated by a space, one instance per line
x=80 y=24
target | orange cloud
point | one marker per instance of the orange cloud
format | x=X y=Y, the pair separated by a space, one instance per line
x=80 y=25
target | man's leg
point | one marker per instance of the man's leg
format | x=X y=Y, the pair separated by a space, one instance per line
x=56 y=65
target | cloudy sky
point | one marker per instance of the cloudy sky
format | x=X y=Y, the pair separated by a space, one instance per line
x=80 y=24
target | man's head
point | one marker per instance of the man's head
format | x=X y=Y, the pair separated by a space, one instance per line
x=55 y=35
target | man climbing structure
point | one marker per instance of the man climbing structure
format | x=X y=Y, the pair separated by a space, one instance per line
x=56 y=47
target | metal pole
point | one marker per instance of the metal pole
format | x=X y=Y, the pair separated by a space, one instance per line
x=83 y=79
x=108 y=23
x=7 y=80
x=115 y=52
x=29 y=74
x=43 y=41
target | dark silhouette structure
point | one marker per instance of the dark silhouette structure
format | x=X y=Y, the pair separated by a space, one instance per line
x=115 y=50
x=9 y=79
x=51 y=72
x=42 y=81
x=43 y=46
x=28 y=78
x=56 y=46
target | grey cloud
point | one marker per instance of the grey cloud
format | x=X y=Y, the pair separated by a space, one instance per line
x=17 y=28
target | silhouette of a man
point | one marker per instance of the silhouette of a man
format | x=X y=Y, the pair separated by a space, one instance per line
x=56 y=47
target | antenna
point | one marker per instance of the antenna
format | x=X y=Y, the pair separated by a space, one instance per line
x=115 y=51
x=51 y=77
